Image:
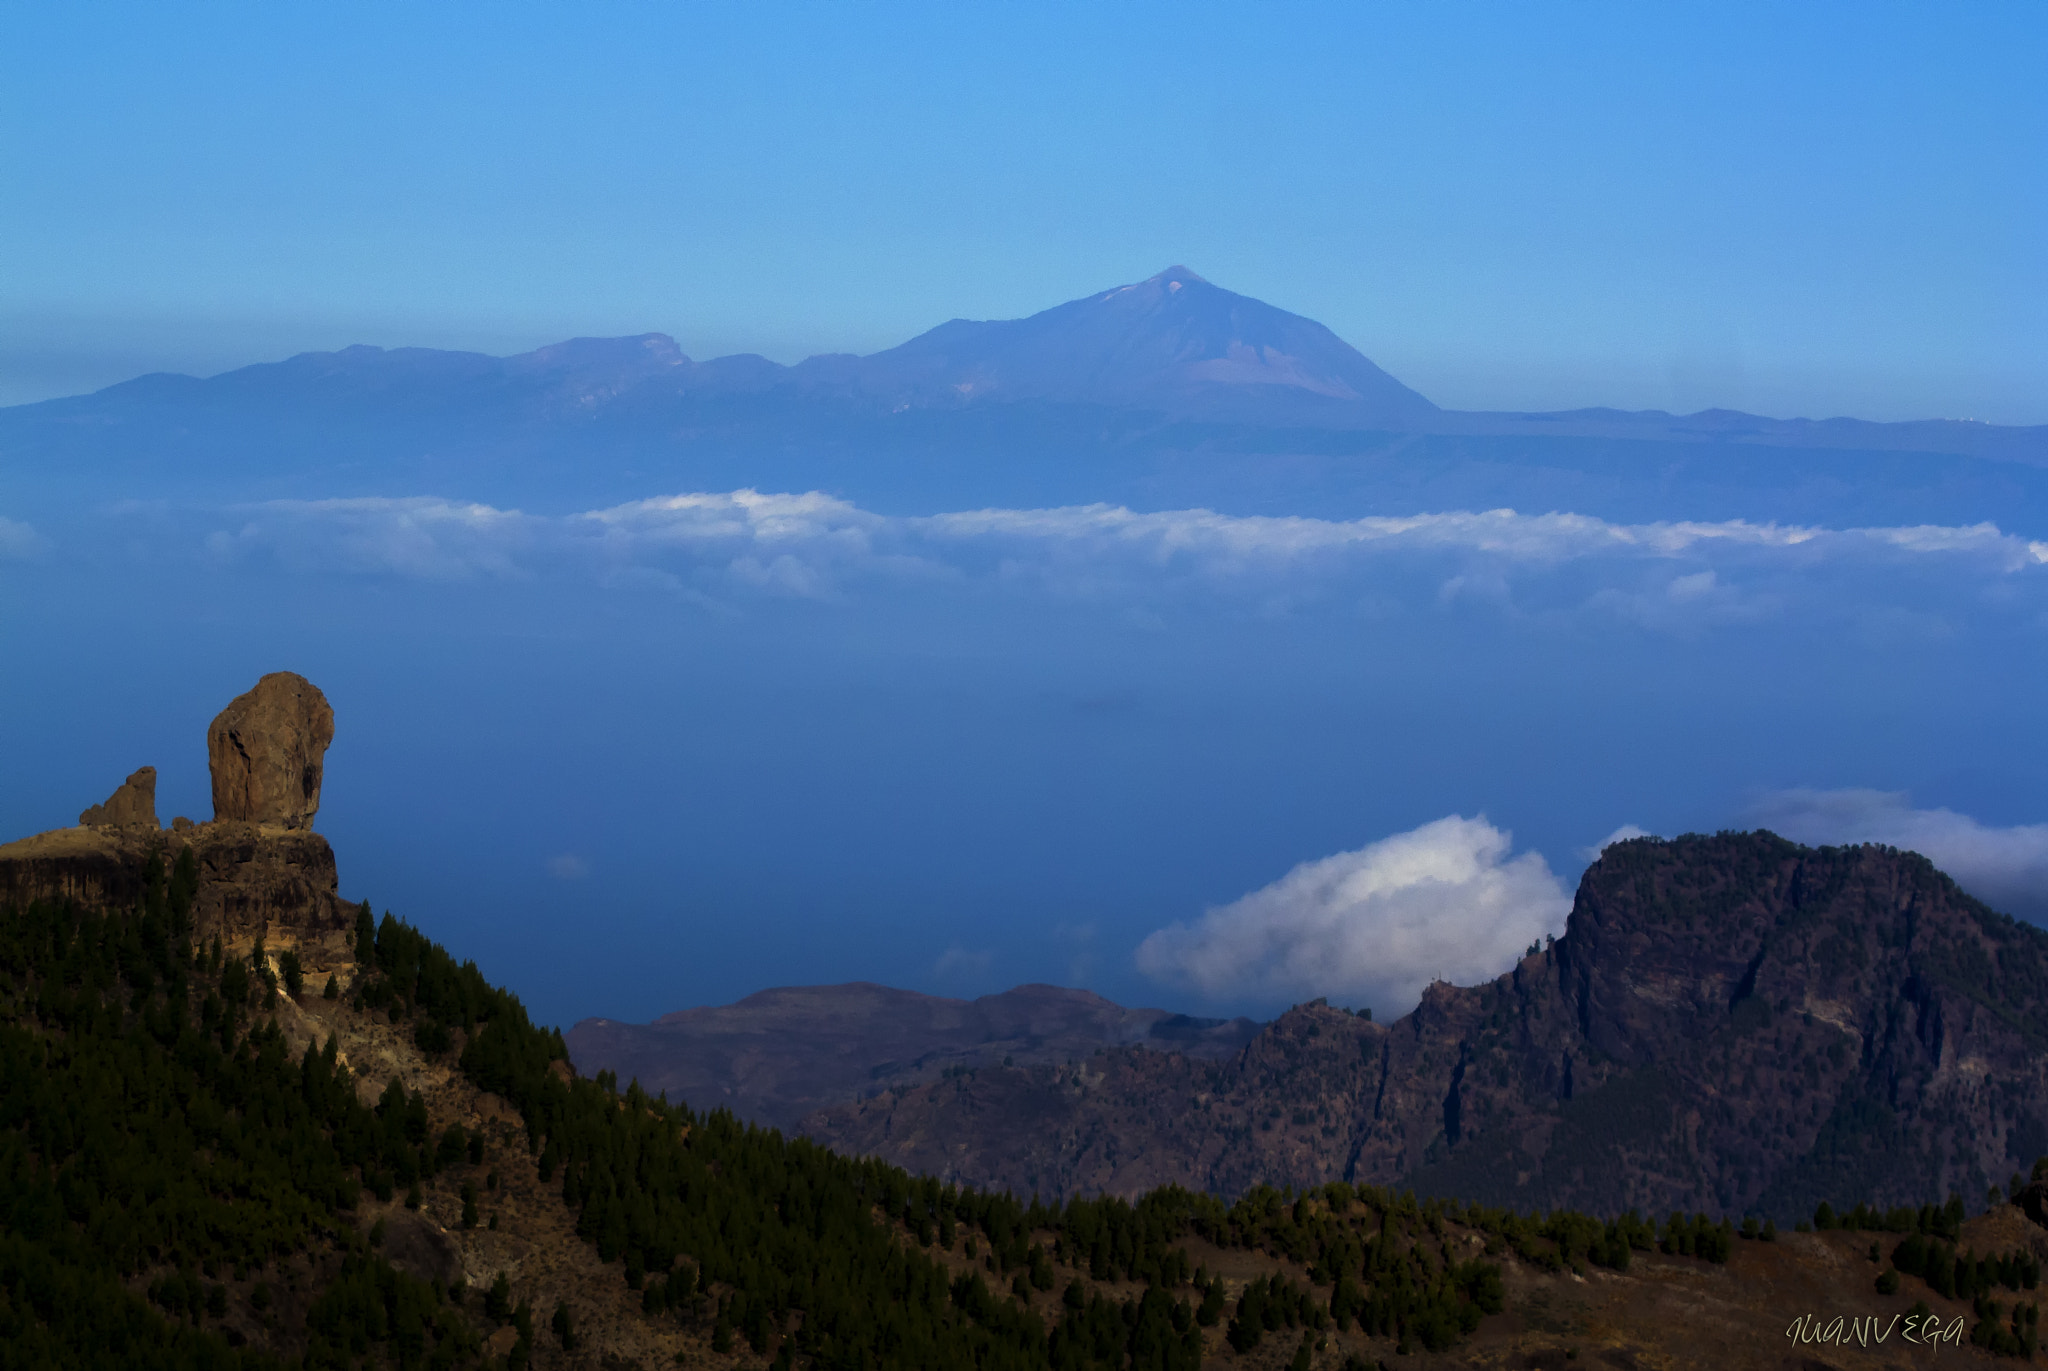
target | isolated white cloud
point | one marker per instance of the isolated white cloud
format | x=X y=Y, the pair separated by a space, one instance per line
x=1443 y=901
x=957 y=963
x=18 y=541
x=2007 y=868
x=1619 y=835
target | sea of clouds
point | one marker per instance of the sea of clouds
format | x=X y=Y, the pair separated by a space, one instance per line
x=733 y=547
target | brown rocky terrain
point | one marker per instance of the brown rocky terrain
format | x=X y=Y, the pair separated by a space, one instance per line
x=781 y=1054
x=257 y=881
x=1735 y=1024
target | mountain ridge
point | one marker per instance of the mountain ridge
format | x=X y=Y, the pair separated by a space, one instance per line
x=1142 y=396
x=1174 y=342
x=780 y=1054
x=1733 y=1022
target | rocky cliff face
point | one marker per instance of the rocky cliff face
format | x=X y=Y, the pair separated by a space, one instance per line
x=1732 y=1023
x=276 y=884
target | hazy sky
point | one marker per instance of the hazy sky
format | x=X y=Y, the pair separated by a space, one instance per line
x=1813 y=209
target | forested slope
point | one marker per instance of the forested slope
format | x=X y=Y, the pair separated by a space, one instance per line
x=210 y=1159
x=195 y=1175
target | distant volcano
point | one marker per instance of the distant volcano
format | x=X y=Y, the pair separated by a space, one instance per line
x=1173 y=342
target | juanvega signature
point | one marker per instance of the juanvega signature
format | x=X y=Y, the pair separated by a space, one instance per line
x=1925 y=1329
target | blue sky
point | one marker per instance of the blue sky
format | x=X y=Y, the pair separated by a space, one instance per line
x=1808 y=210
x=662 y=747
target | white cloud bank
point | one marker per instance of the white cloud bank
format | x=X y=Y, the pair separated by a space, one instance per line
x=2007 y=868
x=1374 y=926
x=814 y=546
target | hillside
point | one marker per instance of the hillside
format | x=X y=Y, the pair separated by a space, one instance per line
x=246 y=1124
x=781 y=1054
x=1733 y=1023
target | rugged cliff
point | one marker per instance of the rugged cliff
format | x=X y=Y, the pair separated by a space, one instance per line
x=1733 y=1023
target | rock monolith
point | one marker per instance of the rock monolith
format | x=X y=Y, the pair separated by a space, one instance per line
x=133 y=803
x=265 y=752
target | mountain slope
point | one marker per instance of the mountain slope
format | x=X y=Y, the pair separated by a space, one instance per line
x=244 y=1125
x=182 y=1193
x=776 y=1056
x=1733 y=1023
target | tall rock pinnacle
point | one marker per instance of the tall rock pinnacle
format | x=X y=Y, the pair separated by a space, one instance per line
x=265 y=751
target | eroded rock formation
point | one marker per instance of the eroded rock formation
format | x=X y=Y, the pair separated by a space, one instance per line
x=265 y=752
x=133 y=803
x=262 y=872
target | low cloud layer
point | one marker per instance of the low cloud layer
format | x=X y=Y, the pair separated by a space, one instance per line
x=736 y=545
x=1375 y=926
x=18 y=540
x=2007 y=868
x=959 y=964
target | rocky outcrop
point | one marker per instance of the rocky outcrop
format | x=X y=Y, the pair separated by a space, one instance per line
x=272 y=883
x=265 y=751
x=273 y=880
x=1735 y=1024
x=134 y=803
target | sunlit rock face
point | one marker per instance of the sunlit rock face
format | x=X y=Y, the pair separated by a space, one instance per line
x=265 y=751
x=132 y=804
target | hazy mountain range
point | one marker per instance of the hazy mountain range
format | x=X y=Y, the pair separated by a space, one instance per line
x=779 y=1055
x=1166 y=393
